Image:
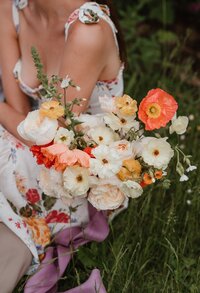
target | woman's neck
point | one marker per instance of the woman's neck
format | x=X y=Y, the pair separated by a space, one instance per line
x=55 y=9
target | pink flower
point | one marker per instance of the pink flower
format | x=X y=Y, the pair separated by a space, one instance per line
x=64 y=157
x=71 y=158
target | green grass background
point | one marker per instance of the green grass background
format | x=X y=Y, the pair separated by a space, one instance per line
x=154 y=246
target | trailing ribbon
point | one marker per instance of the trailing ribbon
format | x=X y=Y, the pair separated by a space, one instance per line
x=58 y=256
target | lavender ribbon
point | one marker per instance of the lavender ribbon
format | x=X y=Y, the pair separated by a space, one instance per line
x=57 y=257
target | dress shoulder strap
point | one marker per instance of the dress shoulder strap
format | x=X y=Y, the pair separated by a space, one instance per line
x=91 y=13
x=16 y=6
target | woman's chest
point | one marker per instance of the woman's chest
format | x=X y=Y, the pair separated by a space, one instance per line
x=50 y=45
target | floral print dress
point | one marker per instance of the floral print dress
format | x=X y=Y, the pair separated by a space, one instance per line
x=31 y=214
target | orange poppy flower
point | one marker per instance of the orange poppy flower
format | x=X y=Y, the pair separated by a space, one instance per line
x=157 y=109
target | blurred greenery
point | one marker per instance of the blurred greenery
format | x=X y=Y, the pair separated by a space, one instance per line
x=154 y=246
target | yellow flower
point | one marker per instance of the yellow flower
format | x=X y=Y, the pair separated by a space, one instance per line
x=131 y=169
x=41 y=233
x=126 y=105
x=133 y=166
x=153 y=110
x=51 y=109
x=124 y=174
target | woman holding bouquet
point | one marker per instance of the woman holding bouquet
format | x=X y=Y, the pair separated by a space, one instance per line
x=76 y=38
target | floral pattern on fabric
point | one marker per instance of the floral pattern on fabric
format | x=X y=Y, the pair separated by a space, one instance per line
x=34 y=216
x=41 y=233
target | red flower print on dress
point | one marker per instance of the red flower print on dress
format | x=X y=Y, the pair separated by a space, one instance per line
x=56 y=217
x=17 y=224
x=19 y=145
x=32 y=196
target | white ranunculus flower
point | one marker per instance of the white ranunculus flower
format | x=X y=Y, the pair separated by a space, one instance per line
x=51 y=183
x=76 y=180
x=106 y=197
x=64 y=136
x=157 y=152
x=38 y=130
x=107 y=104
x=91 y=121
x=118 y=122
x=102 y=135
x=124 y=148
x=179 y=125
x=137 y=147
x=107 y=162
x=131 y=189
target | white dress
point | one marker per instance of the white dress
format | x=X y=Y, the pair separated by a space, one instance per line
x=31 y=214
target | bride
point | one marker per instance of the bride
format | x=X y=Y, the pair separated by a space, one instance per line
x=76 y=38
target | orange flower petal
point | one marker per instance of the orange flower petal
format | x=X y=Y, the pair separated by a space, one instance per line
x=162 y=104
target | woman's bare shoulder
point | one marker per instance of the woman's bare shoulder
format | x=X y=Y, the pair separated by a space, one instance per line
x=91 y=36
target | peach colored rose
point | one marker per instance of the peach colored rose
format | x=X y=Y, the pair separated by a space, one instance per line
x=106 y=197
x=157 y=109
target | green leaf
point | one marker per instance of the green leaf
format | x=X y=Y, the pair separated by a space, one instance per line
x=12 y=206
x=49 y=201
x=26 y=211
x=36 y=208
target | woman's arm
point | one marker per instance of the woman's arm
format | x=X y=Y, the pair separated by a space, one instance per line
x=9 y=54
x=84 y=59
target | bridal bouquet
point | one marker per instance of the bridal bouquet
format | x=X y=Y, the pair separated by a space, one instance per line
x=109 y=157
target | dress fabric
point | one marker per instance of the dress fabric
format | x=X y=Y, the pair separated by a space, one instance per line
x=32 y=215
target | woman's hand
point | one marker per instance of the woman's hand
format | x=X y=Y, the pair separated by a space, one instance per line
x=10 y=119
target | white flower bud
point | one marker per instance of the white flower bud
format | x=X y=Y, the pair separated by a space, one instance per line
x=179 y=125
x=191 y=168
x=65 y=82
x=184 y=178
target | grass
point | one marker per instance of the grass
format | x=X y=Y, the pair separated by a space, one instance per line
x=154 y=246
